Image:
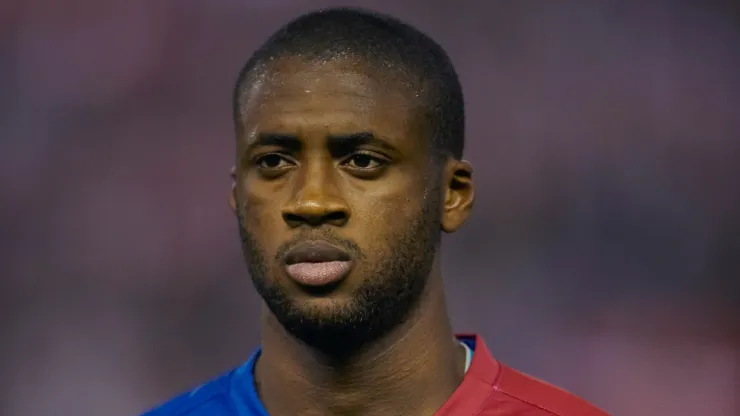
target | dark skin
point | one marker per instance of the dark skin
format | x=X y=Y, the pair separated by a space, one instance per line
x=338 y=150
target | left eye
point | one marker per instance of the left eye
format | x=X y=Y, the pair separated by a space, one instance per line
x=363 y=161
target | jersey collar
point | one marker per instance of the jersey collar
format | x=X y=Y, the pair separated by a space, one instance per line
x=477 y=385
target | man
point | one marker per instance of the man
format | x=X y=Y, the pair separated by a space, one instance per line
x=350 y=132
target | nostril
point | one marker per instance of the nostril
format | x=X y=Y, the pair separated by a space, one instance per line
x=293 y=218
x=332 y=217
x=335 y=216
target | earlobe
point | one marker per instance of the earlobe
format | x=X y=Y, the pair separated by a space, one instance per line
x=459 y=195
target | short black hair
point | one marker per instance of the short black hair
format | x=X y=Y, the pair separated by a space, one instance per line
x=385 y=43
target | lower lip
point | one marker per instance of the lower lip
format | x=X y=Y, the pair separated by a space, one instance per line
x=318 y=274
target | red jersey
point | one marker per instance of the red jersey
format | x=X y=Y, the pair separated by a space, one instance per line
x=490 y=388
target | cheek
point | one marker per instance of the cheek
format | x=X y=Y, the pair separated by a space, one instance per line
x=261 y=214
x=395 y=200
x=380 y=219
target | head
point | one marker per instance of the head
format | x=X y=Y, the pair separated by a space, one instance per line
x=350 y=131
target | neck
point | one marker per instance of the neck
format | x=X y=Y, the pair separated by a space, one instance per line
x=411 y=370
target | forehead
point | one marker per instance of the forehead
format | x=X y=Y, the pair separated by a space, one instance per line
x=292 y=94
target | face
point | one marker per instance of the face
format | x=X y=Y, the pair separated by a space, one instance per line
x=340 y=205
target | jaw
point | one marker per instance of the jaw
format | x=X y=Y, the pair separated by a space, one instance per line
x=328 y=334
x=394 y=360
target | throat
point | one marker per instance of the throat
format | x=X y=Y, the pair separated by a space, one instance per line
x=411 y=371
x=381 y=386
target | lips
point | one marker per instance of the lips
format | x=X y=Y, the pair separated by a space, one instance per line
x=317 y=263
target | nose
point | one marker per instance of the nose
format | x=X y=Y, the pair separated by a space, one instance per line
x=316 y=202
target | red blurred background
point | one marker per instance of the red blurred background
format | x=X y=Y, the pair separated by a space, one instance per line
x=603 y=256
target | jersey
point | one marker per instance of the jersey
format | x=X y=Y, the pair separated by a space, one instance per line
x=489 y=388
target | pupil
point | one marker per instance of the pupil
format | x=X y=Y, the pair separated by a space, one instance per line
x=362 y=161
x=271 y=161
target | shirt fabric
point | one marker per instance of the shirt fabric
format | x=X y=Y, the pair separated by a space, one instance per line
x=489 y=388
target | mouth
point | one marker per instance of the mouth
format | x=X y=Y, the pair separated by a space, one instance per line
x=317 y=263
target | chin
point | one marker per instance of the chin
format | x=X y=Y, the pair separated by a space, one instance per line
x=331 y=307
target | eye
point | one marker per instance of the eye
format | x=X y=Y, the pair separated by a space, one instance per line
x=272 y=161
x=363 y=161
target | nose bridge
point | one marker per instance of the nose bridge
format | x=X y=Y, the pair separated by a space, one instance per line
x=316 y=198
x=316 y=185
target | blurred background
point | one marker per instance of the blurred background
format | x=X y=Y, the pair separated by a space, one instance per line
x=603 y=256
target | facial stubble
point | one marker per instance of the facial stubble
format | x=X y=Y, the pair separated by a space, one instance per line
x=389 y=291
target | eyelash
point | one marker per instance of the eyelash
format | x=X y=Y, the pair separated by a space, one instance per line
x=258 y=160
x=380 y=161
x=373 y=157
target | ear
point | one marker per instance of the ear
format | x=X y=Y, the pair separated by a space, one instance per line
x=459 y=194
x=232 y=193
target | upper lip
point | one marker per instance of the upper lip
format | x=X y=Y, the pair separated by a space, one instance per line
x=315 y=252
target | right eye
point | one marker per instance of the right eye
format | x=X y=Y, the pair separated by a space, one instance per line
x=272 y=161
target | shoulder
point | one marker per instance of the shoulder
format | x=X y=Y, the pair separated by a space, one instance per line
x=210 y=398
x=536 y=397
x=491 y=388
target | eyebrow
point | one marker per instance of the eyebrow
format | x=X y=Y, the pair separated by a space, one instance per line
x=342 y=141
x=286 y=141
x=354 y=140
